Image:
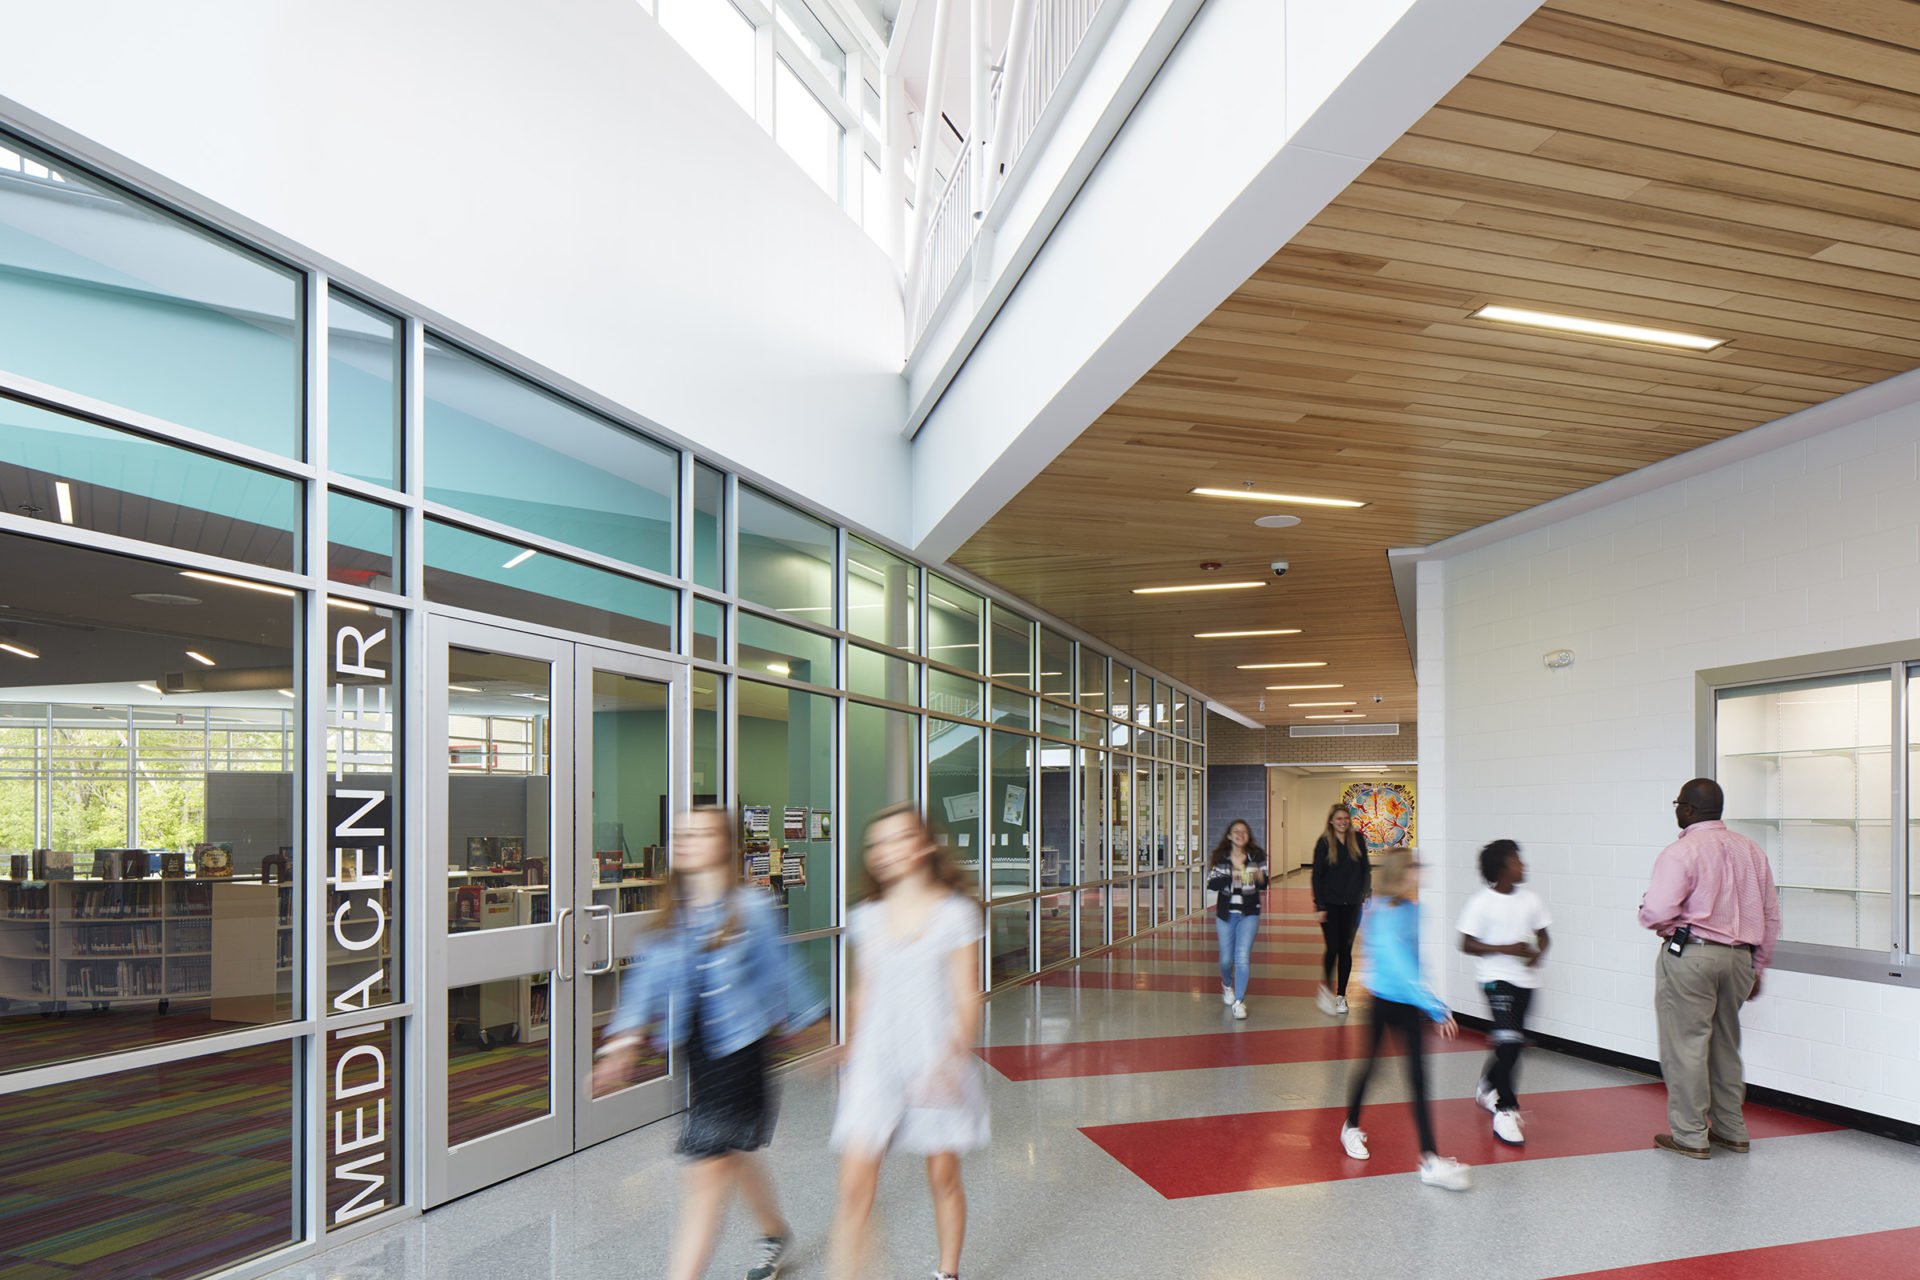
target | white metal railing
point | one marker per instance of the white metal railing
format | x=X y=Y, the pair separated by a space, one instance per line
x=1059 y=29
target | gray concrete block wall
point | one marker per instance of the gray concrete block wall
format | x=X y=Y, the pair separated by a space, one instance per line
x=1235 y=792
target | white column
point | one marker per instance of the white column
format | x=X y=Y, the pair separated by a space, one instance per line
x=1013 y=89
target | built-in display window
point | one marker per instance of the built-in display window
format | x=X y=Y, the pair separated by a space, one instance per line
x=473 y=571
x=363 y=391
x=149 y=743
x=883 y=596
x=883 y=768
x=1057 y=864
x=786 y=559
x=70 y=471
x=1092 y=816
x=792 y=653
x=105 y=295
x=788 y=818
x=1807 y=771
x=500 y=448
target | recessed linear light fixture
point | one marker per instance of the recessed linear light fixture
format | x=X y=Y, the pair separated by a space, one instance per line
x=1299 y=688
x=1341 y=715
x=1597 y=328
x=1235 y=635
x=1197 y=586
x=223 y=580
x=780 y=668
x=200 y=658
x=14 y=648
x=63 y=495
x=1348 y=703
x=463 y=688
x=335 y=602
x=1275 y=666
x=522 y=558
x=1255 y=495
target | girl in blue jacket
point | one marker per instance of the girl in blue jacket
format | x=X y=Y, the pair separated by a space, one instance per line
x=716 y=982
x=1403 y=1002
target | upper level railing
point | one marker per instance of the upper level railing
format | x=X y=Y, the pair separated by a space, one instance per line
x=1058 y=29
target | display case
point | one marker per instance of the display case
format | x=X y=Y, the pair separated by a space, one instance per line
x=1807 y=770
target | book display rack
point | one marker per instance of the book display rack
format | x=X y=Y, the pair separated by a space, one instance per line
x=94 y=943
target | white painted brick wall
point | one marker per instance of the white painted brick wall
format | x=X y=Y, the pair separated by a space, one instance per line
x=1814 y=545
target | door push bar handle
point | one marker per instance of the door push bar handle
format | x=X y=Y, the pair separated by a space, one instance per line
x=562 y=962
x=595 y=971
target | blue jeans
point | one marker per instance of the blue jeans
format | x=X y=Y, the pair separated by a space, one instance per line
x=1236 y=951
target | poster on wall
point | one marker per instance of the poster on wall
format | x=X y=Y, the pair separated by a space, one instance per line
x=964 y=807
x=1383 y=811
x=793 y=822
x=1014 y=811
x=819 y=825
x=757 y=819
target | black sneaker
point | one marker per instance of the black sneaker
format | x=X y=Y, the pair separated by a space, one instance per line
x=773 y=1255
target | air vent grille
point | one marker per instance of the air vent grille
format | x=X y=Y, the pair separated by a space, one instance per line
x=1343 y=731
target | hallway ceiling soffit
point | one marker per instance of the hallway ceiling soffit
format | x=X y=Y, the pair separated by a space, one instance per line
x=1743 y=171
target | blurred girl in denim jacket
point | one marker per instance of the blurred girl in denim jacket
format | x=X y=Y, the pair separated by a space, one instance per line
x=714 y=980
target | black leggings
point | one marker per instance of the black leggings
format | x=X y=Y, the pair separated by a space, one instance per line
x=1342 y=922
x=1411 y=1023
x=1509 y=1035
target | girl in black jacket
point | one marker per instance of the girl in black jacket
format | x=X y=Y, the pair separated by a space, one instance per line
x=1342 y=879
x=1236 y=876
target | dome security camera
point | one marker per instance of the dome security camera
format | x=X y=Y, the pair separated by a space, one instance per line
x=1378 y=698
x=1279 y=568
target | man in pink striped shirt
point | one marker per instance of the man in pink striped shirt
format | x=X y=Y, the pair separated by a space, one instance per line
x=1713 y=903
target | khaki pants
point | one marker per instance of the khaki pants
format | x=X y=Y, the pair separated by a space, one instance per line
x=1697 y=996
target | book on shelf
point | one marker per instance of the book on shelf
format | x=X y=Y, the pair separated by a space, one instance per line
x=53 y=864
x=533 y=872
x=213 y=861
x=611 y=864
x=106 y=864
x=466 y=906
x=512 y=850
x=134 y=864
x=22 y=866
x=173 y=865
x=479 y=852
x=277 y=867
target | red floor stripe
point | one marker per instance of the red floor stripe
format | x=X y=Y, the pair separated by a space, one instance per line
x=1880 y=1253
x=1207 y=984
x=1261 y=955
x=1210 y=1155
x=1195 y=1053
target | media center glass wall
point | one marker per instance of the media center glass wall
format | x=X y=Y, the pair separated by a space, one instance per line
x=328 y=643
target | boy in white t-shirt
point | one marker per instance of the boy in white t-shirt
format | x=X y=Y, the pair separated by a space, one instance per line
x=1505 y=927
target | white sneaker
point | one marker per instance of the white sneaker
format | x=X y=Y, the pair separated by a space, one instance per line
x=1339 y=1004
x=1441 y=1171
x=1483 y=1093
x=1240 y=1010
x=1324 y=998
x=1506 y=1127
x=1226 y=994
x=1355 y=1141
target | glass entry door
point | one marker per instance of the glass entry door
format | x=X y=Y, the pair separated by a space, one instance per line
x=554 y=770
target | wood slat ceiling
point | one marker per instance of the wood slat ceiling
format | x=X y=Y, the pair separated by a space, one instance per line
x=1740 y=170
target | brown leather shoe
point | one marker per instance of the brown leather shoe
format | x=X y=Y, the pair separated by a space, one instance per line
x=1666 y=1143
x=1740 y=1148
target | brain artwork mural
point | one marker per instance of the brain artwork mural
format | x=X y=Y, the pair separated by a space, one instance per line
x=1383 y=811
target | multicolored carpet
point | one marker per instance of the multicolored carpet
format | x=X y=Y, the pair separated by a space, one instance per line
x=159 y=1174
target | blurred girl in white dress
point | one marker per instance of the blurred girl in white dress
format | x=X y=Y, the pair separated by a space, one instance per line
x=911 y=1082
